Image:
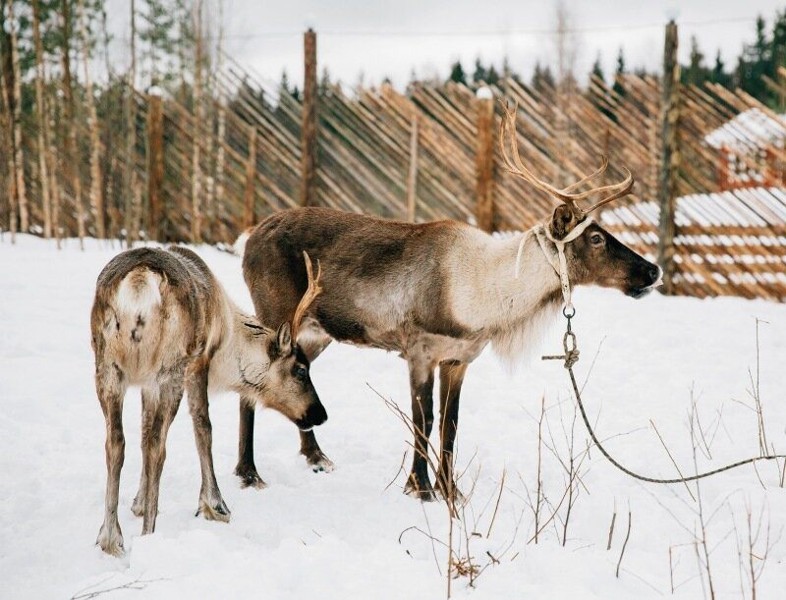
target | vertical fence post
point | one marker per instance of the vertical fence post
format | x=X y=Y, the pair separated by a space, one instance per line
x=155 y=166
x=412 y=175
x=484 y=161
x=249 y=215
x=670 y=157
x=309 y=125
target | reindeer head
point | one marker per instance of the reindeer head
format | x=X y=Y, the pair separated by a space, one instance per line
x=593 y=255
x=285 y=385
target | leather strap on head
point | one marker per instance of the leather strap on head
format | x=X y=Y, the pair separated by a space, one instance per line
x=560 y=263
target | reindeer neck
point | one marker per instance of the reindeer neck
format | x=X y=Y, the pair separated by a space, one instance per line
x=232 y=353
x=492 y=296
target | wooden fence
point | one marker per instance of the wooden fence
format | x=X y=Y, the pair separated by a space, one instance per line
x=432 y=153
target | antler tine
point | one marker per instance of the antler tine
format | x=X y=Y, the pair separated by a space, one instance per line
x=614 y=187
x=312 y=291
x=603 y=165
x=515 y=166
x=623 y=189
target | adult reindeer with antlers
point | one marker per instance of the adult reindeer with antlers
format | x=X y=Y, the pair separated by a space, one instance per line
x=437 y=293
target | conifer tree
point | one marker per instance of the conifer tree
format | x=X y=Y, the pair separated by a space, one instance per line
x=457 y=73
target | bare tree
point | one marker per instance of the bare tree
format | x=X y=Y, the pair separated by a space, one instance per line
x=7 y=142
x=131 y=209
x=196 y=170
x=43 y=121
x=16 y=118
x=566 y=44
x=72 y=150
x=96 y=195
x=220 y=158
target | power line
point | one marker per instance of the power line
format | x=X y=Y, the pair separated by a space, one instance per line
x=472 y=32
x=485 y=32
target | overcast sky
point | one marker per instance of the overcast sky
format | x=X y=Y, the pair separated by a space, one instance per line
x=391 y=38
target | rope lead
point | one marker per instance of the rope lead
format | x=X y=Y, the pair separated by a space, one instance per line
x=571 y=356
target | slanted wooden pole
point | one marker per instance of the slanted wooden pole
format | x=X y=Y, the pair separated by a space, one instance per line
x=308 y=135
x=251 y=171
x=670 y=157
x=412 y=175
x=484 y=163
x=155 y=166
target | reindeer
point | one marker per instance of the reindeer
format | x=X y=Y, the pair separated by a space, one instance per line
x=162 y=321
x=437 y=293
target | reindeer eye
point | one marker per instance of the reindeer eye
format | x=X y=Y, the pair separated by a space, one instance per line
x=299 y=372
x=596 y=239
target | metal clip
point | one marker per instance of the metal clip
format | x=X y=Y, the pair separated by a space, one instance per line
x=571 y=355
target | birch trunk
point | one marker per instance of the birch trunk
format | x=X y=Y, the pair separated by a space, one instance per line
x=19 y=159
x=96 y=196
x=54 y=170
x=131 y=185
x=71 y=146
x=8 y=142
x=196 y=172
x=222 y=127
x=43 y=121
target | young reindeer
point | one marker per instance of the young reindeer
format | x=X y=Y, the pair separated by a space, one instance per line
x=437 y=293
x=162 y=321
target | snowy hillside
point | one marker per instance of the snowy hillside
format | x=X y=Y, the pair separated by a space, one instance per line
x=351 y=533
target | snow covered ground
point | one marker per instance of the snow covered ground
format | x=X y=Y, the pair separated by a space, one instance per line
x=339 y=535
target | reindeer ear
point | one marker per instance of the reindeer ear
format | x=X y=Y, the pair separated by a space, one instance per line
x=562 y=221
x=284 y=338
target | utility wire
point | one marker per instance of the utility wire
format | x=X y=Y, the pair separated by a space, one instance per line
x=494 y=32
x=475 y=32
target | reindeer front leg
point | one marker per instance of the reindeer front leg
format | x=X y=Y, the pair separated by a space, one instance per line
x=421 y=381
x=317 y=460
x=211 y=504
x=246 y=469
x=451 y=376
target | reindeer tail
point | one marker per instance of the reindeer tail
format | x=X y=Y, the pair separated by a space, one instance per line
x=138 y=301
x=240 y=243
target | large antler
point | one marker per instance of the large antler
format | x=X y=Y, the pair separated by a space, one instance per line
x=312 y=291
x=515 y=165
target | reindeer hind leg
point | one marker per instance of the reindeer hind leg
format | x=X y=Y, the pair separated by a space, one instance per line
x=422 y=389
x=138 y=506
x=169 y=390
x=451 y=377
x=111 y=388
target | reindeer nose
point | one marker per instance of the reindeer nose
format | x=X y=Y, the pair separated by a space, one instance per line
x=654 y=273
x=315 y=415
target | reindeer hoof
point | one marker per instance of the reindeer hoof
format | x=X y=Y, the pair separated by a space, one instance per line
x=110 y=541
x=138 y=507
x=252 y=481
x=420 y=490
x=249 y=477
x=215 y=511
x=320 y=463
x=454 y=495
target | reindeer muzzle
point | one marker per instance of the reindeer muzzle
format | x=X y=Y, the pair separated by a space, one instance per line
x=652 y=277
x=314 y=416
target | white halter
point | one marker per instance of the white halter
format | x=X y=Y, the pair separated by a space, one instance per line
x=560 y=263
